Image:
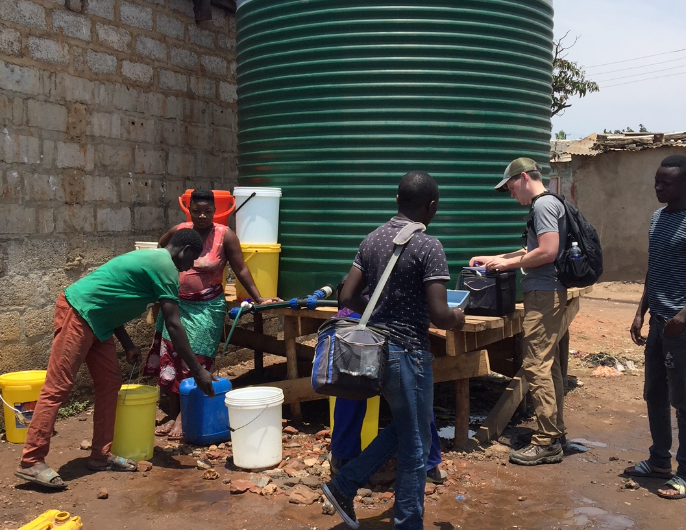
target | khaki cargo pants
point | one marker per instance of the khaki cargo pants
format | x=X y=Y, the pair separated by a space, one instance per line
x=544 y=318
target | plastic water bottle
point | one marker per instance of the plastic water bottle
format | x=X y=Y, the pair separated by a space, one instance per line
x=575 y=251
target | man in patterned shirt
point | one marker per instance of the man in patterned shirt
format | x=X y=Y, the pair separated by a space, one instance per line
x=414 y=296
x=664 y=294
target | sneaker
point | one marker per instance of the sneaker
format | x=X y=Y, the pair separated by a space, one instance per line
x=436 y=476
x=343 y=506
x=532 y=455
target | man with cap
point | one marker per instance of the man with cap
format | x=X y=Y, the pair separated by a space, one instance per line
x=544 y=306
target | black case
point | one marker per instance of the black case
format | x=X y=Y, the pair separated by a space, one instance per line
x=492 y=294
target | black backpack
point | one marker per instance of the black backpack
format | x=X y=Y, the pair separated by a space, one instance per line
x=586 y=270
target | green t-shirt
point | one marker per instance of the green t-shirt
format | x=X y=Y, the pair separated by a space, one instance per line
x=121 y=289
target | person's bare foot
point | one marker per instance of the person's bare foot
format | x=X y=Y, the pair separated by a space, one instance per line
x=177 y=431
x=165 y=428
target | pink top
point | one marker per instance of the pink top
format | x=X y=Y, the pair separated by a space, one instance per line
x=208 y=270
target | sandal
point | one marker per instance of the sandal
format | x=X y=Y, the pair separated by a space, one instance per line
x=165 y=428
x=676 y=483
x=44 y=476
x=113 y=463
x=645 y=469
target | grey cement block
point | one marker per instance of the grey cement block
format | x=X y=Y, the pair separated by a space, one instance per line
x=213 y=64
x=209 y=166
x=174 y=133
x=48 y=50
x=135 y=15
x=140 y=130
x=199 y=136
x=148 y=218
x=137 y=72
x=10 y=41
x=12 y=189
x=114 y=220
x=200 y=37
x=101 y=63
x=29 y=14
x=48 y=155
x=46 y=115
x=182 y=6
x=184 y=58
x=125 y=98
x=137 y=190
x=200 y=112
x=222 y=116
x=101 y=8
x=19 y=149
x=116 y=38
x=203 y=87
x=104 y=124
x=173 y=81
x=17 y=219
x=227 y=92
x=46 y=220
x=151 y=103
x=74 y=218
x=102 y=189
x=114 y=157
x=149 y=161
x=75 y=89
x=23 y=79
x=72 y=25
x=220 y=18
x=170 y=26
x=181 y=164
x=225 y=42
x=42 y=187
x=71 y=155
x=151 y=48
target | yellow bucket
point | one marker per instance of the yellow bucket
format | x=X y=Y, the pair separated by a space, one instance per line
x=20 y=391
x=263 y=262
x=370 y=424
x=134 y=427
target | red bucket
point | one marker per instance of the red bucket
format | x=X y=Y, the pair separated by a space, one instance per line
x=224 y=204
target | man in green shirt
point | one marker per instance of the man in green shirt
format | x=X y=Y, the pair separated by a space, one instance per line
x=87 y=315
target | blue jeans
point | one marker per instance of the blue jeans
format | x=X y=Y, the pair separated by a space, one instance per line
x=665 y=385
x=408 y=389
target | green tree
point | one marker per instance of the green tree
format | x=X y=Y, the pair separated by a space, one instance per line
x=569 y=79
x=642 y=128
x=560 y=135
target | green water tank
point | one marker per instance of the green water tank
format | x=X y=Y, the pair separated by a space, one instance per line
x=337 y=100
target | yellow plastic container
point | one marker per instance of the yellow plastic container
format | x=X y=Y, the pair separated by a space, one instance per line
x=20 y=390
x=263 y=262
x=370 y=424
x=54 y=519
x=134 y=427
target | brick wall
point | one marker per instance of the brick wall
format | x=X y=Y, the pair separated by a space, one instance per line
x=109 y=110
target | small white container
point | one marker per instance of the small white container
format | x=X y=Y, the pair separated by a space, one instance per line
x=145 y=244
x=255 y=420
x=257 y=223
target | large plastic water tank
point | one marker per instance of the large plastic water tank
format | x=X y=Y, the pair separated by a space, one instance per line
x=338 y=100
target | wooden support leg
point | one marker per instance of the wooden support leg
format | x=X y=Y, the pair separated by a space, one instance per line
x=461 y=413
x=290 y=332
x=497 y=420
x=258 y=326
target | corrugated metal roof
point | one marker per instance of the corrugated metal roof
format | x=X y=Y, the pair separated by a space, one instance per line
x=595 y=144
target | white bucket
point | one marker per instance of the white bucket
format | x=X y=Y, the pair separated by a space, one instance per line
x=255 y=420
x=257 y=223
x=145 y=244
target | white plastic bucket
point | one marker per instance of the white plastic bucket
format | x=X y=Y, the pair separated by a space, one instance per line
x=257 y=222
x=140 y=245
x=255 y=420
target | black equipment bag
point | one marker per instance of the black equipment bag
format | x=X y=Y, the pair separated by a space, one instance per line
x=583 y=271
x=491 y=293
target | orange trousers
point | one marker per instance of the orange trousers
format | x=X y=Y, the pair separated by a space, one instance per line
x=74 y=342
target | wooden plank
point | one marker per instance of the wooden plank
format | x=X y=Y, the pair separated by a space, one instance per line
x=463 y=366
x=501 y=414
x=290 y=332
x=296 y=390
x=259 y=329
x=461 y=414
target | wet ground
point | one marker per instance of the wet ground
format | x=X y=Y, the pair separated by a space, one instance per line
x=484 y=491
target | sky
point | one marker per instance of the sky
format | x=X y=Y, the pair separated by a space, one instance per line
x=610 y=31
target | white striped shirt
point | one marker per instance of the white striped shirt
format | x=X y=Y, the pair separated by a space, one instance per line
x=667 y=263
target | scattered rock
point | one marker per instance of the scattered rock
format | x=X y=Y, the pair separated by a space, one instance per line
x=521 y=499
x=276 y=473
x=386 y=496
x=614 y=459
x=310 y=481
x=364 y=492
x=203 y=464
x=327 y=508
x=309 y=462
x=213 y=447
x=240 y=486
x=260 y=480
x=323 y=434
x=630 y=484
x=85 y=445
x=103 y=493
x=221 y=446
x=429 y=489
x=210 y=474
x=269 y=489
x=288 y=429
x=302 y=495
x=226 y=481
x=144 y=466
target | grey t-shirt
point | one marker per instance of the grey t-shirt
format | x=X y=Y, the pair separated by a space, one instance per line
x=548 y=216
x=402 y=306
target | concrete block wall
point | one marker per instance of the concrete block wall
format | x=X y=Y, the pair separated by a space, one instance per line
x=109 y=110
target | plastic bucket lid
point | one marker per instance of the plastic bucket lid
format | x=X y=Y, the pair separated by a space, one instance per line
x=259 y=192
x=29 y=377
x=254 y=397
x=138 y=394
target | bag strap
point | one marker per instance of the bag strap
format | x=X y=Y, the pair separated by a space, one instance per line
x=400 y=240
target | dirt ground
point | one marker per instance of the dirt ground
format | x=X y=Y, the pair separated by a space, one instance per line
x=484 y=490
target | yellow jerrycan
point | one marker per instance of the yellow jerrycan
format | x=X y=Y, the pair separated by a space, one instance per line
x=54 y=519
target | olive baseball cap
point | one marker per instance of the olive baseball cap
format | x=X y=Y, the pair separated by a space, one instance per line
x=516 y=168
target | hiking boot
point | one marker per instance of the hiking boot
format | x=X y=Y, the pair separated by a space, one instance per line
x=436 y=476
x=532 y=455
x=343 y=506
